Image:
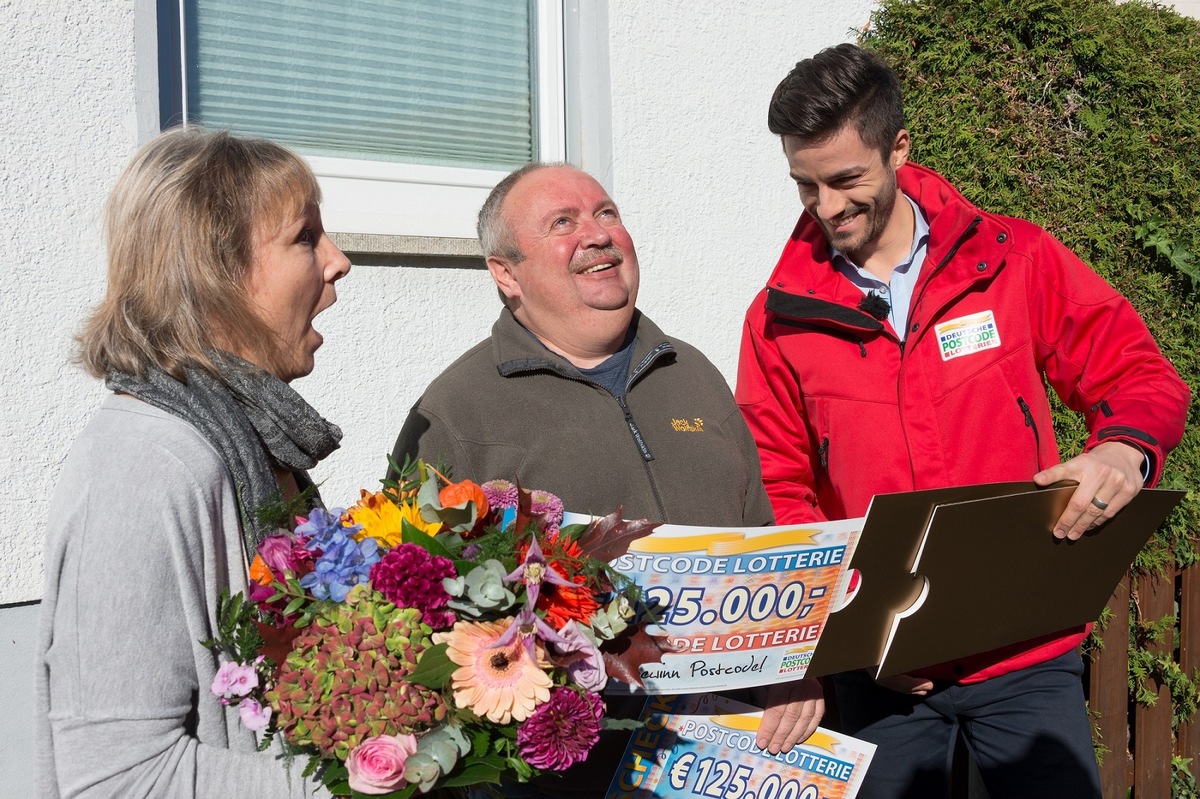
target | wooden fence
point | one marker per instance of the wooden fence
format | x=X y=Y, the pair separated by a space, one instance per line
x=1140 y=743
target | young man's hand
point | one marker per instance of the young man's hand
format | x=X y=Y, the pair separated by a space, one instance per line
x=1109 y=476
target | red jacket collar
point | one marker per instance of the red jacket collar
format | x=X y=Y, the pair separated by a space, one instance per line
x=961 y=238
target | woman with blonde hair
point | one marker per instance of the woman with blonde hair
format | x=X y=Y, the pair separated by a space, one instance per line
x=217 y=265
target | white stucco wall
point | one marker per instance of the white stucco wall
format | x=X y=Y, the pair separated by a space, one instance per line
x=67 y=123
x=701 y=183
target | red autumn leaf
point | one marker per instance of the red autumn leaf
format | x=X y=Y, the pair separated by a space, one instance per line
x=524 y=506
x=608 y=538
x=277 y=642
x=623 y=656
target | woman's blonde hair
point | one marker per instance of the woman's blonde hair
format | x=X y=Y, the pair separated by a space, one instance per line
x=181 y=223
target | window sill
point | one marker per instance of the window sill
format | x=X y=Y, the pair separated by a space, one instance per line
x=381 y=244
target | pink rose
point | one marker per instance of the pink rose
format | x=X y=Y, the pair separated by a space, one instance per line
x=376 y=765
x=254 y=716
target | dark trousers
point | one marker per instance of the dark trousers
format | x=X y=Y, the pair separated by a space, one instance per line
x=1028 y=732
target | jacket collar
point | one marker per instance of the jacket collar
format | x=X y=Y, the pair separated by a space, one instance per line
x=966 y=246
x=802 y=308
x=517 y=351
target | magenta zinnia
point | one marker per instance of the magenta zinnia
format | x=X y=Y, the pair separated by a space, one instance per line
x=410 y=577
x=561 y=732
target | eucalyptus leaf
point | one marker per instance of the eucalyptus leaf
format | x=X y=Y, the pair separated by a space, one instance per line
x=427 y=501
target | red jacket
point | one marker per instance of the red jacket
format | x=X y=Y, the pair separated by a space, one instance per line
x=842 y=410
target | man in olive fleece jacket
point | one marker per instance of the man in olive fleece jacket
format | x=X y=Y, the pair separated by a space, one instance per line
x=671 y=445
x=577 y=393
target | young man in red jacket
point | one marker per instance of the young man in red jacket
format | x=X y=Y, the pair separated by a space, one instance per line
x=901 y=344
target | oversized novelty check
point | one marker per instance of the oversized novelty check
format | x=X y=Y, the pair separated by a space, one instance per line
x=704 y=746
x=738 y=607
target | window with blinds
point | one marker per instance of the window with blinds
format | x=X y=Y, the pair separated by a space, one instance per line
x=408 y=110
x=448 y=82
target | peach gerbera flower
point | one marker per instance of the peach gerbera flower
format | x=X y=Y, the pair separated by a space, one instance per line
x=383 y=520
x=501 y=684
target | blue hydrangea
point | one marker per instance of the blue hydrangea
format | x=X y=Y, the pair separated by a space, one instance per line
x=322 y=525
x=343 y=563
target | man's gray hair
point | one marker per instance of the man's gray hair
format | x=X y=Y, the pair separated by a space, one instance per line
x=495 y=232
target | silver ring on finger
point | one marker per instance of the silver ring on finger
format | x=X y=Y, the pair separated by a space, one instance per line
x=1099 y=503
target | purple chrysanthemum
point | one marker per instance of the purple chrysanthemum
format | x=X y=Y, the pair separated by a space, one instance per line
x=500 y=494
x=409 y=577
x=562 y=731
x=549 y=507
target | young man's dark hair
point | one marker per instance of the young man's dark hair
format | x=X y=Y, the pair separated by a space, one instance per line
x=837 y=86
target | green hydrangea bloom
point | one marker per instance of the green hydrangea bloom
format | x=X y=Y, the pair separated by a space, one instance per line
x=344 y=681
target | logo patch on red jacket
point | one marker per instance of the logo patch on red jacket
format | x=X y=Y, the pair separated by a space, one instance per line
x=967 y=335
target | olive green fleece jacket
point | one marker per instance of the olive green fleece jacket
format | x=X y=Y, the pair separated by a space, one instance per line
x=674 y=449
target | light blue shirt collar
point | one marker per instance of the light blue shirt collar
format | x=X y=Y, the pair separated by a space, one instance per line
x=898 y=291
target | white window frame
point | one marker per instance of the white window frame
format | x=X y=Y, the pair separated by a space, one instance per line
x=381 y=198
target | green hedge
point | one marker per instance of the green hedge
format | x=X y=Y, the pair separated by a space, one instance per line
x=1083 y=116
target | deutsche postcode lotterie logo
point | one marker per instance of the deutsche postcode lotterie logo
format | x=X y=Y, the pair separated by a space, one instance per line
x=795 y=660
x=967 y=335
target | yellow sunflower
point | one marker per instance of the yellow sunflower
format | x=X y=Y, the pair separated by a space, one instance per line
x=383 y=520
x=501 y=684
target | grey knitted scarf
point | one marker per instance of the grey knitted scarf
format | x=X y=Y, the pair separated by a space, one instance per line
x=252 y=418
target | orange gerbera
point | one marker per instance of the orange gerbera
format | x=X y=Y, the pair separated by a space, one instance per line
x=501 y=684
x=383 y=519
x=562 y=604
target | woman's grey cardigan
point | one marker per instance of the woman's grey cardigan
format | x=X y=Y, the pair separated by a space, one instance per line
x=143 y=534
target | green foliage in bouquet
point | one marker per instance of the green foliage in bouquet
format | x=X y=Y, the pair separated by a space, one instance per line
x=236 y=635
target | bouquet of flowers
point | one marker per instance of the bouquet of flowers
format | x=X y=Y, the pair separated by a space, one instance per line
x=437 y=634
